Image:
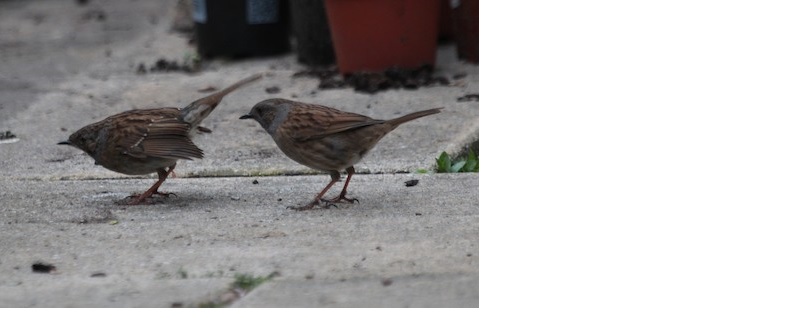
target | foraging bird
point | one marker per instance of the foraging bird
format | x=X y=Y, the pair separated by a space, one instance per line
x=143 y=141
x=324 y=138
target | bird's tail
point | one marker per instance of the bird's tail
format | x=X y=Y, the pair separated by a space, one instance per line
x=403 y=119
x=199 y=109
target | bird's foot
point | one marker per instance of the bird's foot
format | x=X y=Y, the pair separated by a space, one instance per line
x=341 y=198
x=304 y=207
x=326 y=204
x=136 y=199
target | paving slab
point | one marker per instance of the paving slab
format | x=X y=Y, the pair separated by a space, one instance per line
x=187 y=249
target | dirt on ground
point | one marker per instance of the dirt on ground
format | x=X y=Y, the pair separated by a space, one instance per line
x=373 y=82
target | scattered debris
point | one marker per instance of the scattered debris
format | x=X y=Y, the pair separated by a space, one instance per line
x=273 y=234
x=328 y=78
x=189 y=65
x=371 y=82
x=43 y=268
x=207 y=89
x=387 y=282
x=411 y=182
x=273 y=90
x=98 y=274
x=8 y=137
x=469 y=98
x=255 y=181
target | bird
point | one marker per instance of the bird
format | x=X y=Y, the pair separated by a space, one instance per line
x=143 y=141
x=324 y=138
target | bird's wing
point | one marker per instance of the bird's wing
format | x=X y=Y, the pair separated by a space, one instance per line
x=165 y=137
x=316 y=122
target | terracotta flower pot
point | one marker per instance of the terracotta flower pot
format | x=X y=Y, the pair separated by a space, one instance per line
x=374 y=35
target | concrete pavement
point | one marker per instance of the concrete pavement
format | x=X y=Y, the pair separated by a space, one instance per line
x=187 y=250
x=63 y=68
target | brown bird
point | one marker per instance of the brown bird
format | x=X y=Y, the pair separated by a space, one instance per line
x=143 y=141
x=324 y=138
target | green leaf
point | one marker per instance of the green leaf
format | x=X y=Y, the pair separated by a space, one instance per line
x=471 y=166
x=249 y=282
x=457 y=166
x=421 y=170
x=444 y=162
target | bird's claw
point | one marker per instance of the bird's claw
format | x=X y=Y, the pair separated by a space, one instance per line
x=327 y=204
x=342 y=198
x=142 y=198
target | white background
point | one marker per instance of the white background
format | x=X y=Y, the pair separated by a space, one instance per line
x=639 y=158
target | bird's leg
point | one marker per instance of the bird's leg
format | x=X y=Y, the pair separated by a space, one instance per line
x=342 y=196
x=162 y=175
x=334 y=176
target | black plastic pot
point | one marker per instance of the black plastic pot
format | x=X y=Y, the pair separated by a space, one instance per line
x=467 y=29
x=309 y=24
x=240 y=28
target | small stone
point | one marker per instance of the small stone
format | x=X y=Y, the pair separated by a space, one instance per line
x=43 y=268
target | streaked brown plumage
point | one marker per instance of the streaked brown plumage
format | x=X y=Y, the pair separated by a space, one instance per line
x=143 y=141
x=324 y=138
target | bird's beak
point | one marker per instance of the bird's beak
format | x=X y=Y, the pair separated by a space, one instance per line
x=248 y=116
x=65 y=143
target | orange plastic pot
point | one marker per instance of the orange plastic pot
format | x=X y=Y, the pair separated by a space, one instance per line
x=374 y=35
